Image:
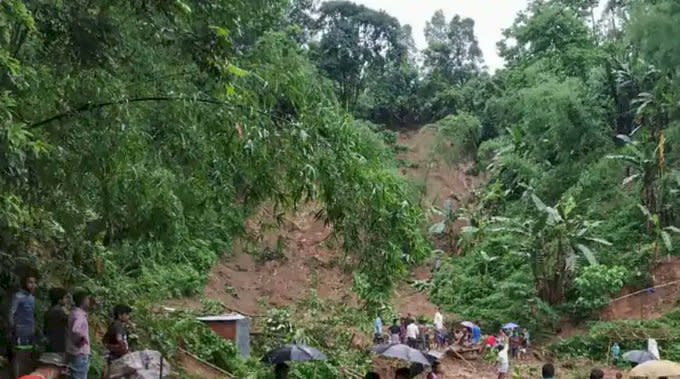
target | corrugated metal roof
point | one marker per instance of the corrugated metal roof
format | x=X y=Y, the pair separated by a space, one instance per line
x=222 y=318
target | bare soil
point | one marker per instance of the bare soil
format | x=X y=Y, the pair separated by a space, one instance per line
x=309 y=258
x=652 y=304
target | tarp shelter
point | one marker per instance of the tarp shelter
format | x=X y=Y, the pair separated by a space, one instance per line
x=233 y=327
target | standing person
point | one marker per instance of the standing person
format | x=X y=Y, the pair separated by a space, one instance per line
x=514 y=344
x=438 y=320
x=503 y=337
x=56 y=321
x=616 y=353
x=476 y=333
x=436 y=372
x=491 y=341
x=548 y=371
x=116 y=337
x=402 y=330
x=377 y=329
x=412 y=333
x=395 y=332
x=22 y=326
x=281 y=371
x=439 y=332
x=402 y=373
x=78 y=337
x=503 y=361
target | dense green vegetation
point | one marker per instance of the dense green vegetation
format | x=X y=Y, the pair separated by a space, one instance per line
x=583 y=170
x=136 y=137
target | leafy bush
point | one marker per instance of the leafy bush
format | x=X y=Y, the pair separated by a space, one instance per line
x=458 y=137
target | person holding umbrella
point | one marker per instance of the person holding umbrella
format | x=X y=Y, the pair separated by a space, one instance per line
x=290 y=353
x=402 y=373
x=281 y=371
x=436 y=372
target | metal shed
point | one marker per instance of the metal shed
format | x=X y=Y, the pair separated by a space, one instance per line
x=233 y=327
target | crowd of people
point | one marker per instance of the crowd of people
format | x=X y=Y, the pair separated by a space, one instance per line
x=511 y=342
x=65 y=330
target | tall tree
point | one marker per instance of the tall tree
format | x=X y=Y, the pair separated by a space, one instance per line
x=453 y=54
x=356 y=41
x=551 y=34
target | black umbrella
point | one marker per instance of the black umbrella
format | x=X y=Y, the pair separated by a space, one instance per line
x=293 y=353
x=419 y=368
x=402 y=352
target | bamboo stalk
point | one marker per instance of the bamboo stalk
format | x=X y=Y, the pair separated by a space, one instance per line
x=212 y=366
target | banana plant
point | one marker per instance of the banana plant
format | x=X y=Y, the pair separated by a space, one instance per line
x=559 y=236
x=662 y=234
x=642 y=166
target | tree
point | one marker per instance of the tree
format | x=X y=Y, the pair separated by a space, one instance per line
x=355 y=42
x=550 y=34
x=453 y=54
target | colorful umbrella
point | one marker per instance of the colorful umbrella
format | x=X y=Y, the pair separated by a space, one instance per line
x=510 y=325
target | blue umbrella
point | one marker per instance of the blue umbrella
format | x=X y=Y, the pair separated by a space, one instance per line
x=510 y=325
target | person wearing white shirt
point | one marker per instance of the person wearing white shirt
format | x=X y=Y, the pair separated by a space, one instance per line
x=503 y=361
x=412 y=333
x=438 y=320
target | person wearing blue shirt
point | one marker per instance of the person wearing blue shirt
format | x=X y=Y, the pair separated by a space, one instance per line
x=22 y=326
x=476 y=334
x=378 y=329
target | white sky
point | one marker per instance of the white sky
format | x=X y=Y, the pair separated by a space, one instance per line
x=491 y=17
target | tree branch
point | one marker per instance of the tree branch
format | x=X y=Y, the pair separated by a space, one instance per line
x=93 y=106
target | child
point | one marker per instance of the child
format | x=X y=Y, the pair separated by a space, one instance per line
x=503 y=361
x=116 y=337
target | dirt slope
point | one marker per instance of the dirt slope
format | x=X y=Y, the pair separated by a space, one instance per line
x=652 y=304
x=308 y=258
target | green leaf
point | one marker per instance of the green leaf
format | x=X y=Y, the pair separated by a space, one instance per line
x=587 y=253
x=672 y=229
x=667 y=240
x=183 y=6
x=645 y=211
x=538 y=202
x=236 y=71
x=600 y=241
x=437 y=228
x=569 y=206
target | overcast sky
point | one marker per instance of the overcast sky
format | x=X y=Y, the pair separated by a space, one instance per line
x=491 y=17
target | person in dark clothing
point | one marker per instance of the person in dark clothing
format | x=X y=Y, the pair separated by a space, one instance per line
x=372 y=375
x=281 y=371
x=548 y=371
x=402 y=373
x=22 y=326
x=56 y=321
x=116 y=337
x=395 y=332
x=596 y=373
